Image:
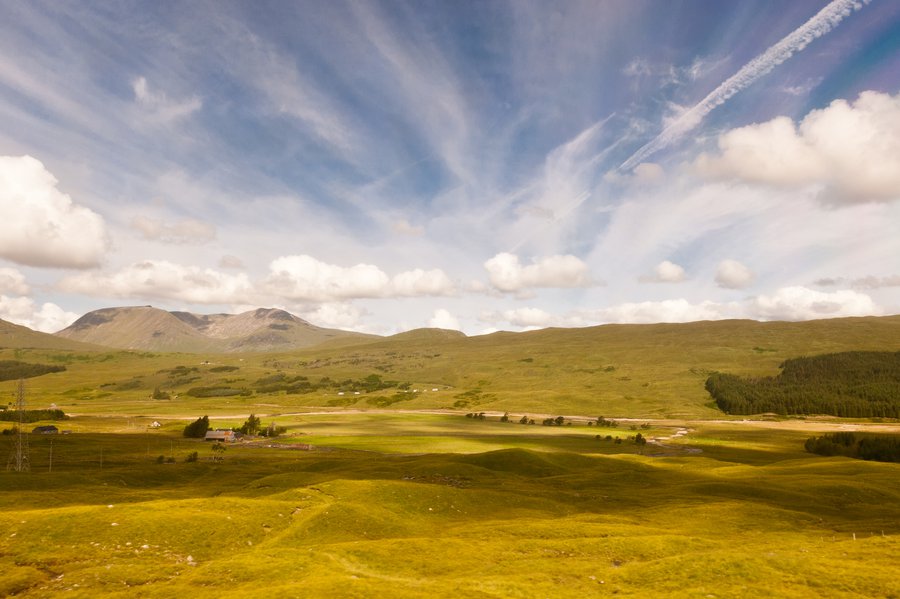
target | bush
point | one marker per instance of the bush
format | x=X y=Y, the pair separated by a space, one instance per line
x=192 y=457
x=158 y=394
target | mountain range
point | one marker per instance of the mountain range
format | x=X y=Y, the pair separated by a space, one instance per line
x=152 y=329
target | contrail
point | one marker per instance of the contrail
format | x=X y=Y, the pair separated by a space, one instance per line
x=823 y=22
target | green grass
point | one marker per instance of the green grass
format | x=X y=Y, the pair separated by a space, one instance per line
x=424 y=510
x=640 y=371
x=416 y=504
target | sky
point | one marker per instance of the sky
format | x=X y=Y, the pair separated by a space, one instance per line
x=481 y=166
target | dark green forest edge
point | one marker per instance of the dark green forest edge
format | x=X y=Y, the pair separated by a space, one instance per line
x=847 y=385
x=881 y=448
x=11 y=370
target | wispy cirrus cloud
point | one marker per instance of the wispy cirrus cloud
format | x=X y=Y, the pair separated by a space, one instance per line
x=823 y=22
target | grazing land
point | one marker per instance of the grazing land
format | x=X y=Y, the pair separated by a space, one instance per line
x=398 y=476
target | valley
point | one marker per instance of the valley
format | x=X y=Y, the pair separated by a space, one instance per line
x=410 y=466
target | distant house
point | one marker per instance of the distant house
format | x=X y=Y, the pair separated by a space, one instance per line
x=155 y=424
x=45 y=430
x=225 y=436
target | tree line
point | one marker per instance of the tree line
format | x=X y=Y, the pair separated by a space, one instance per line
x=881 y=448
x=847 y=384
x=11 y=370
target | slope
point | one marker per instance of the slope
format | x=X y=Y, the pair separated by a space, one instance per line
x=152 y=329
x=14 y=336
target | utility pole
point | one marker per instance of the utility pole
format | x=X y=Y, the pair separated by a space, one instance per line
x=19 y=460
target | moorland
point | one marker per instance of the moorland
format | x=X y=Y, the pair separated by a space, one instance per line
x=409 y=466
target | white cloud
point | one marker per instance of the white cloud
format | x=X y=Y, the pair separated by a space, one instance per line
x=665 y=272
x=800 y=303
x=307 y=279
x=48 y=318
x=820 y=24
x=41 y=226
x=158 y=105
x=506 y=273
x=187 y=231
x=164 y=280
x=853 y=150
x=443 y=319
x=675 y=310
x=789 y=303
x=338 y=315
x=418 y=282
x=731 y=274
x=12 y=281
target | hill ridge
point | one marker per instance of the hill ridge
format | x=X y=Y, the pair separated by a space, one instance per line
x=153 y=329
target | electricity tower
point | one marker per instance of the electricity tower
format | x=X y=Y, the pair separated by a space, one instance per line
x=18 y=459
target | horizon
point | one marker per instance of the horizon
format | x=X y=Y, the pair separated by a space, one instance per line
x=382 y=167
x=480 y=334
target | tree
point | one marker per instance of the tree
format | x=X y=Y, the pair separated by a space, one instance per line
x=197 y=429
x=251 y=425
x=523 y=420
x=505 y=417
x=640 y=441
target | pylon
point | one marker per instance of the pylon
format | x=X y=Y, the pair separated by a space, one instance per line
x=18 y=459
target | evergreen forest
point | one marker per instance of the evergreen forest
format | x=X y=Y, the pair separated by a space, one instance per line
x=856 y=384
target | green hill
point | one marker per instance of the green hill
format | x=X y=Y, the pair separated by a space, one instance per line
x=638 y=371
x=13 y=336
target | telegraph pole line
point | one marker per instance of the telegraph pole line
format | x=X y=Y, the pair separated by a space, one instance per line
x=19 y=460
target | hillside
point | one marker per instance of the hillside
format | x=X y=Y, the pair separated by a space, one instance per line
x=635 y=371
x=13 y=336
x=151 y=329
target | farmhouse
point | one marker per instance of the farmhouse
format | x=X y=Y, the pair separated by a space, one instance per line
x=224 y=435
x=45 y=430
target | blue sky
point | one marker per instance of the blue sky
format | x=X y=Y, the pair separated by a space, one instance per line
x=473 y=165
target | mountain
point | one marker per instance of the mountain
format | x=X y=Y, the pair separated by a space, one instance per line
x=152 y=329
x=15 y=336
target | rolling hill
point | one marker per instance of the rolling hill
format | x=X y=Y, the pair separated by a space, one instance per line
x=14 y=336
x=151 y=329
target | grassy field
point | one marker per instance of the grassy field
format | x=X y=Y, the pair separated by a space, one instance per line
x=408 y=505
x=637 y=371
x=401 y=495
